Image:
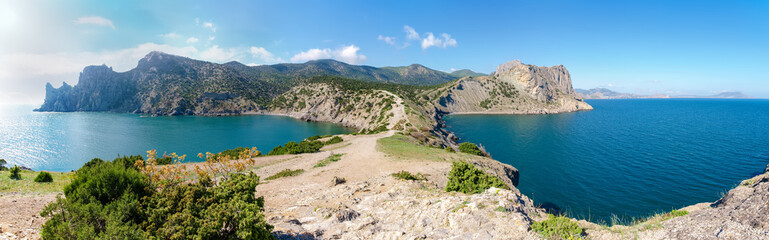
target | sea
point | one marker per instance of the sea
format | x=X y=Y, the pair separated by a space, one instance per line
x=65 y=141
x=630 y=158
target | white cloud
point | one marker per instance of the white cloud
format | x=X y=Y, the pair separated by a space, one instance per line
x=431 y=41
x=312 y=54
x=209 y=25
x=192 y=40
x=348 y=54
x=211 y=38
x=218 y=54
x=95 y=20
x=411 y=34
x=264 y=55
x=24 y=74
x=388 y=40
x=171 y=35
x=448 y=41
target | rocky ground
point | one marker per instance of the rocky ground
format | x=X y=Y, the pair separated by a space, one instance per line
x=20 y=214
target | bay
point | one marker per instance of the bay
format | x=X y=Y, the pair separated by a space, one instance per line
x=630 y=158
x=64 y=141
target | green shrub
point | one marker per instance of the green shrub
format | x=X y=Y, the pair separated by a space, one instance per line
x=92 y=163
x=450 y=149
x=316 y=137
x=108 y=200
x=128 y=161
x=102 y=201
x=558 y=228
x=470 y=148
x=486 y=103
x=466 y=178
x=2 y=165
x=404 y=175
x=15 y=172
x=335 y=139
x=285 y=173
x=44 y=177
x=234 y=153
x=165 y=160
x=297 y=148
x=229 y=210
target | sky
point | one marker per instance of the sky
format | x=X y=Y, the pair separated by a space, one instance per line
x=645 y=47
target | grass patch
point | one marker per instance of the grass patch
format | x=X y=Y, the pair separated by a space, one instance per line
x=329 y=160
x=648 y=223
x=405 y=175
x=407 y=148
x=28 y=185
x=559 y=227
x=285 y=173
x=500 y=209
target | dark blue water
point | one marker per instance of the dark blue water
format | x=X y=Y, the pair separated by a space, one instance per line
x=64 y=141
x=631 y=158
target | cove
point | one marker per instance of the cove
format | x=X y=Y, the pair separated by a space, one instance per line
x=627 y=158
x=64 y=141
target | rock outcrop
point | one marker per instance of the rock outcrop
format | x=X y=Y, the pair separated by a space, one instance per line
x=515 y=88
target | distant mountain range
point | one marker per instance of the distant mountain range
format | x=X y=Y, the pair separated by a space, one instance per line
x=167 y=84
x=603 y=93
x=164 y=84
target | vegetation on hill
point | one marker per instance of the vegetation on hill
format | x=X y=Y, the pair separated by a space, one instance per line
x=466 y=178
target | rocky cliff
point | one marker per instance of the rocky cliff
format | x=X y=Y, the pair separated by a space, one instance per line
x=515 y=88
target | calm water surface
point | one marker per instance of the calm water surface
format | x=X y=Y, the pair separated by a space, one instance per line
x=64 y=141
x=631 y=158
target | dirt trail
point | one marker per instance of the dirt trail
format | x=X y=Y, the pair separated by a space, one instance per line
x=399 y=111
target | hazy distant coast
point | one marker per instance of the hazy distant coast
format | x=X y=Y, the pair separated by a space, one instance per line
x=604 y=93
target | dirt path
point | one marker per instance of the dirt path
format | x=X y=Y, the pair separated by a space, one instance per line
x=20 y=214
x=399 y=111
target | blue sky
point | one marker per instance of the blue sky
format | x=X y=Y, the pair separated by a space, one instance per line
x=696 y=47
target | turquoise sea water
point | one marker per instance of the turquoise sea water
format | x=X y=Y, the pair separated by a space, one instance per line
x=64 y=141
x=631 y=158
